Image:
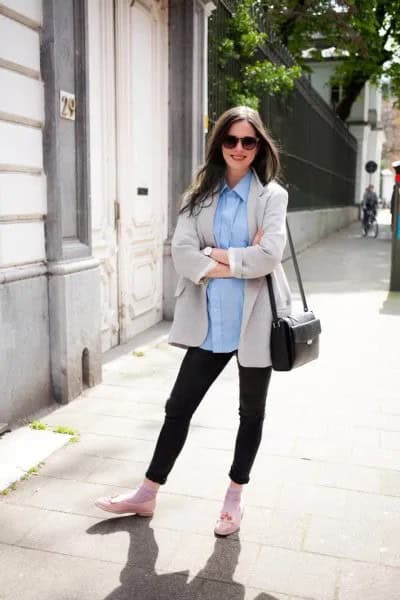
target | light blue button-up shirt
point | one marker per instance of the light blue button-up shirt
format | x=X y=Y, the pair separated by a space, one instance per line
x=225 y=297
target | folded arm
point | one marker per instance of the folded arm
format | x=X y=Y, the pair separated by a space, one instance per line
x=245 y=263
x=222 y=256
x=264 y=257
x=189 y=260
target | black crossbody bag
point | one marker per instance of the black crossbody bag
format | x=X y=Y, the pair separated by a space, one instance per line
x=294 y=339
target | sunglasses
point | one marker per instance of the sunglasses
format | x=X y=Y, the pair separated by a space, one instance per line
x=248 y=142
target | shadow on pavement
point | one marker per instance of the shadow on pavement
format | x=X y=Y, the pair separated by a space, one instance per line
x=139 y=579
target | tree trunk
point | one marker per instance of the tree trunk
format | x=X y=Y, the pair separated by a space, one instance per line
x=351 y=92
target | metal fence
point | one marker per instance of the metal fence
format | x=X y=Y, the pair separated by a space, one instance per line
x=317 y=150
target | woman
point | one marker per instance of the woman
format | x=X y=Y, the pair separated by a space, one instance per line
x=230 y=234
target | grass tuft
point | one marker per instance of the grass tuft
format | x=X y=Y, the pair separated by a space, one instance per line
x=64 y=429
x=38 y=425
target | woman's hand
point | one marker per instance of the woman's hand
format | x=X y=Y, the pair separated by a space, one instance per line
x=220 y=255
x=219 y=271
x=257 y=237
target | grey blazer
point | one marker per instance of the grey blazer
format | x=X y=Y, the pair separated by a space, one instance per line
x=266 y=208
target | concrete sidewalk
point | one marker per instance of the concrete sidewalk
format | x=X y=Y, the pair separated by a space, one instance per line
x=322 y=517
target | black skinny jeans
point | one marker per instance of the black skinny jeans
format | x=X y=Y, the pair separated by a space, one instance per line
x=199 y=369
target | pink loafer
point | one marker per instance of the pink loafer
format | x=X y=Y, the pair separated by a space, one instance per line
x=120 y=505
x=228 y=523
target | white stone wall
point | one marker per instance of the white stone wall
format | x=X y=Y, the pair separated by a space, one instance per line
x=387 y=183
x=310 y=226
x=359 y=110
x=360 y=132
x=375 y=101
x=320 y=76
x=22 y=182
x=374 y=152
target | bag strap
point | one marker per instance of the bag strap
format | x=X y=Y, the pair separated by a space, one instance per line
x=296 y=267
x=272 y=298
x=299 y=280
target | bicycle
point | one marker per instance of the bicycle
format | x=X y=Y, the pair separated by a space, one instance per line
x=370 y=224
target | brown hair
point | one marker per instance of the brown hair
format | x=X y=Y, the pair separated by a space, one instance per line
x=266 y=162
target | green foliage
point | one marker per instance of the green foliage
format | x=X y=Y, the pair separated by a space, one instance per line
x=364 y=33
x=13 y=486
x=38 y=425
x=64 y=429
x=255 y=76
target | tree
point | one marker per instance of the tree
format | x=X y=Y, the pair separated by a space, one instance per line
x=364 y=33
x=255 y=74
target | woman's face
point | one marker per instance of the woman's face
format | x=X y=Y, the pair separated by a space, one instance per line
x=238 y=158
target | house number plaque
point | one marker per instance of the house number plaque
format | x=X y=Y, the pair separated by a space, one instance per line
x=67 y=105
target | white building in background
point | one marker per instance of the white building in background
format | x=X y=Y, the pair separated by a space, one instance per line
x=365 y=120
x=387 y=183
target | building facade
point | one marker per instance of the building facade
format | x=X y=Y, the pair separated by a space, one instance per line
x=101 y=127
x=49 y=280
x=364 y=122
x=24 y=302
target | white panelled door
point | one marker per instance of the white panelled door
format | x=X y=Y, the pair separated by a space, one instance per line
x=142 y=160
x=102 y=163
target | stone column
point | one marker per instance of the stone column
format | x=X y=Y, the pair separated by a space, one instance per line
x=73 y=273
x=187 y=114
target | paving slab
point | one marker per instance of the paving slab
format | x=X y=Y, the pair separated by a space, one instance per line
x=369 y=582
x=64 y=465
x=17 y=521
x=352 y=477
x=347 y=539
x=312 y=499
x=216 y=559
x=274 y=527
x=370 y=507
x=389 y=482
x=130 y=540
x=110 y=446
x=60 y=495
x=299 y=573
x=33 y=574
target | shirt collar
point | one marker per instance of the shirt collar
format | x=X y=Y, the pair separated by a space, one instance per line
x=242 y=187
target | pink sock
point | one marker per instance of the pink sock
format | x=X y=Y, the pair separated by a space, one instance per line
x=144 y=493
x=232 y=500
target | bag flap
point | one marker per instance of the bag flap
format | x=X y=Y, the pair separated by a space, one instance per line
x=307 y=329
